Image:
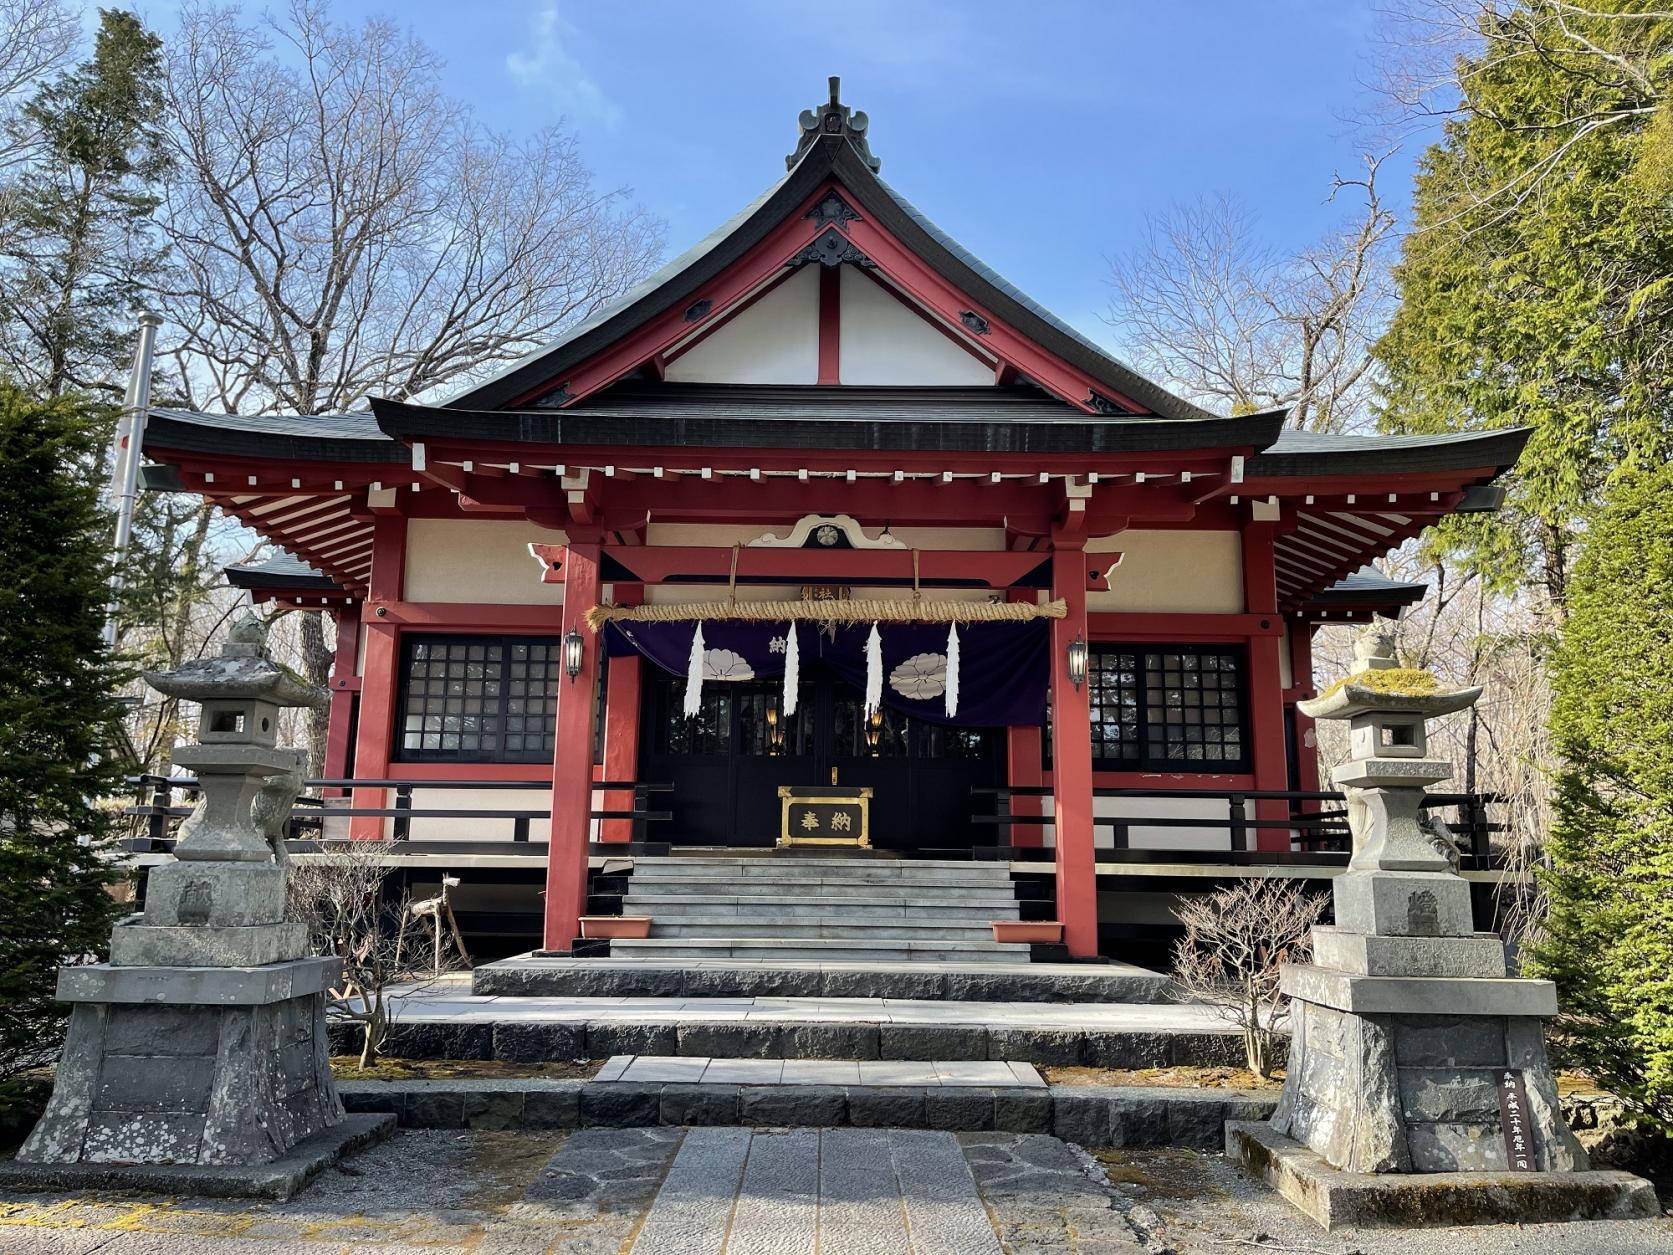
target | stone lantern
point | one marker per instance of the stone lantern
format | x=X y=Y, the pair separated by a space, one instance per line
x=202 y=1044
x=1411 y=1049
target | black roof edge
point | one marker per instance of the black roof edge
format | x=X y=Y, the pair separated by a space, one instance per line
x=1332 y=597
x=246 y=575
x=163 y=431
x=401 y=420
x=1498 y=449
x=160 y=477
x=832 y=155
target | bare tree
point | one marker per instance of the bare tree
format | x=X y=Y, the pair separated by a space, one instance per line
x=1238 y=325
x=342 y=229
x=36 y=38
x=1236 y=939
x=339 y=894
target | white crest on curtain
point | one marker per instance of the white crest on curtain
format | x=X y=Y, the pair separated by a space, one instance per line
x=694 y=675
x=792 y=671
x=920 y=677
x=952 y=670
x=874 y=672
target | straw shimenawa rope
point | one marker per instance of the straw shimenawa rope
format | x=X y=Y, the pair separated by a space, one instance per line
x=831 y=612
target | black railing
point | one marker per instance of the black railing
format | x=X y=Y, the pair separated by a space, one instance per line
x=1316 y=821
x=158 y=810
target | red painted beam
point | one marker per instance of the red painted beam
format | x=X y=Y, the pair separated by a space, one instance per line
x=830 y=325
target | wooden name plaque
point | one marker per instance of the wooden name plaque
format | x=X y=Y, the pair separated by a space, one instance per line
x=814 y=815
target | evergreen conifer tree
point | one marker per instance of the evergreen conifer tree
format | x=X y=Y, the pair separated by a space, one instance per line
x=57 y=717
x=77 y=251
x=1609 y=939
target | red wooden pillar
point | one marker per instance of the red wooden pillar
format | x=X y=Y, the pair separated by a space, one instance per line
x=1024 y=768
x=380 y=671
x=1301 y=688
x=621 y=726
x=345 y=688
x=572 y=759
x=1071 y=754
x=1266 y=684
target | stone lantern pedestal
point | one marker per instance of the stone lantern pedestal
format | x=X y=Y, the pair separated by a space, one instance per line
x=1418 y=1090
x=196 y=1058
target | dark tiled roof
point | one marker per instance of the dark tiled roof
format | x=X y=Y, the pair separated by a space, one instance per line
x=280 y=571
x=783 y=420
x=324 y=437
x=1311 y=453
x=1368 y=585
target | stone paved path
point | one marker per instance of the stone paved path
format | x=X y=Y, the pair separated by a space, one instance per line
x=761 y=1192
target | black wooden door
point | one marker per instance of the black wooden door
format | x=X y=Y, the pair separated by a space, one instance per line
x=726 y=763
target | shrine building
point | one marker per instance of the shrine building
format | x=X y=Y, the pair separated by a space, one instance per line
x=825 y=532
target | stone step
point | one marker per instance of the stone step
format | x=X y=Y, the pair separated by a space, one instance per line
x=821 y=887
x=820 y=926
x=813 y=860
x=537 y=976
x=749 y=870
x=709 y=906
x=817 y=948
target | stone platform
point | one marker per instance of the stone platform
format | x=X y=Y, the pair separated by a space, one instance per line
x=279 y=1178
x=924 y=980
x=1334 y=1198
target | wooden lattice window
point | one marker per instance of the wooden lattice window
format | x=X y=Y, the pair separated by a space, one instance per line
x=479 y=699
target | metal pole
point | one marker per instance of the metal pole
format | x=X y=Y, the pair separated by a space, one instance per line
x=125 y=459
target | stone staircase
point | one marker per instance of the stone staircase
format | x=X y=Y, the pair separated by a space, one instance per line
x=836 y=909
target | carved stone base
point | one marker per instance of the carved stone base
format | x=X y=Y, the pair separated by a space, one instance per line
x=156 y=1072
x=1416 y=1092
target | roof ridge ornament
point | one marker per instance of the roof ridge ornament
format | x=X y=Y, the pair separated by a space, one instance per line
x=834 y=118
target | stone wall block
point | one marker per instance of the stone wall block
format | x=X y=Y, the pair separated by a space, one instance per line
x=59 y=1134
x=800 y=1106
x=1449 y=1041
x=887 y=1107
x=149 y=1083
x=1428 y=1095
x=1457 y=1147
x=517 y=1042
x=931 y=1041
x=699 y=1105
x=960 y=1108
x=143 y=1030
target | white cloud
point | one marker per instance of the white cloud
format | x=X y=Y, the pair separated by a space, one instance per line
x=546 y=65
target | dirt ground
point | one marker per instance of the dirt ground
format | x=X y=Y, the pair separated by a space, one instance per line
x=347 y=1068
x=1169 y=1078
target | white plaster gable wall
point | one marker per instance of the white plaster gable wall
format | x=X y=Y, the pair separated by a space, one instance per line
x=886 y=344
x=486 y=560
x=775 y=340
x=1186 y=572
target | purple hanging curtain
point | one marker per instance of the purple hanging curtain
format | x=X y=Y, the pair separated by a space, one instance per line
x=1004 y=668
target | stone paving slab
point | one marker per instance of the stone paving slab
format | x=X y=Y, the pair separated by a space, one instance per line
x=703 y=1070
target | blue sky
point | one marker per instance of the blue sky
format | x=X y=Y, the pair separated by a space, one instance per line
x=1039 y=134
